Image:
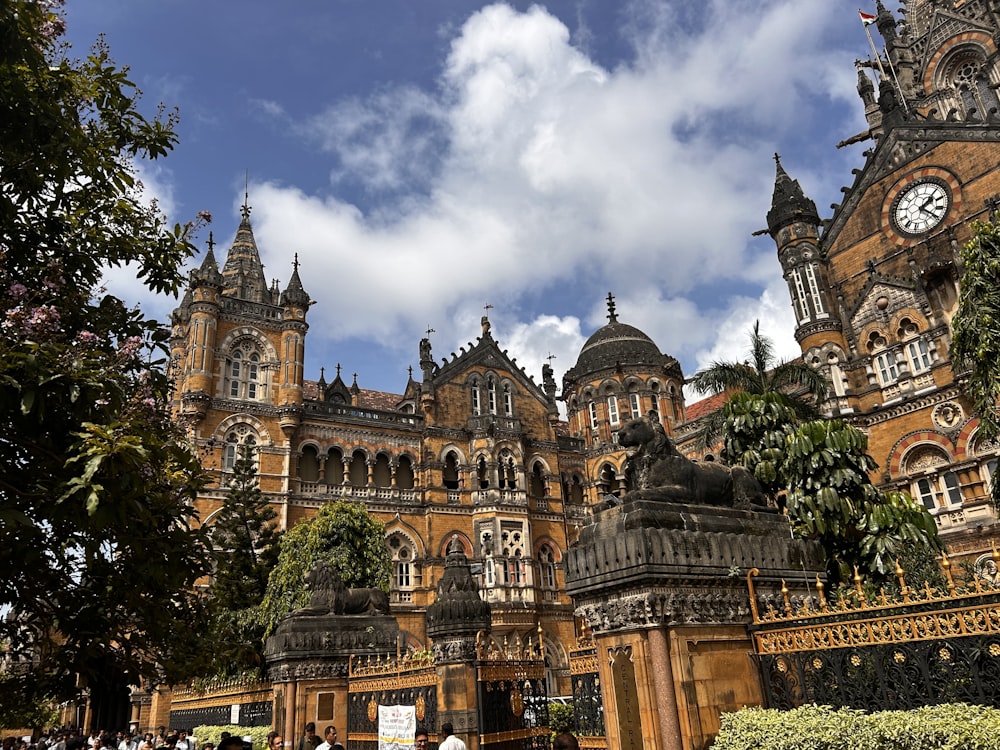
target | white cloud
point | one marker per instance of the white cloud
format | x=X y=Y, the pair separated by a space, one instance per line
x=535 y=178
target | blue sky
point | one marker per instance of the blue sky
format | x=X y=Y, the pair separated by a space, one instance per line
x=425 y=158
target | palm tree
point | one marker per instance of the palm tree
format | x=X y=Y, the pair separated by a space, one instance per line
x=803 y=386
x=795 y=384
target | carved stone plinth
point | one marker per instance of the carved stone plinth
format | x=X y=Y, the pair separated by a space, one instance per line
x=649 y=563
x=663 y=588
x=311 y=647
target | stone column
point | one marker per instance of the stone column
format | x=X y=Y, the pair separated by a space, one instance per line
x=454 y=621
x=663 y=588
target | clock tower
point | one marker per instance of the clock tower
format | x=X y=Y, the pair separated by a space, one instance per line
x=874 y=286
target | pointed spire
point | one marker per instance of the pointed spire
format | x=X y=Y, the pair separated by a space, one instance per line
x=885 y=22
x=789 y=203
x=866 y=89
x=294 y=294
x=208 y=271
x=321 y=383
x=243 y=271
x=612 y=314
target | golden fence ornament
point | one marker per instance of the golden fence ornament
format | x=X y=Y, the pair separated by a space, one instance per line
x=960 y=611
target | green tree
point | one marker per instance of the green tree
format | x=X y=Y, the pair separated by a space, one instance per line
x=98 y=558
x=831 y=498
x=245 y=539
x=343 y=534
x=761 y=373
x=756 y=427
x=975 y=345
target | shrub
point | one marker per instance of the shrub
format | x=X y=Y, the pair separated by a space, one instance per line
x=950 y=726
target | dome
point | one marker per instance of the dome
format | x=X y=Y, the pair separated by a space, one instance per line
x=614 y=344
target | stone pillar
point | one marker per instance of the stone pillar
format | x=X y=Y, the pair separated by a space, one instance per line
x=454 y=621
x=311 y=648
x=663 y=588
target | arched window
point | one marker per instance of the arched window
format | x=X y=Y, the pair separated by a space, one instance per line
x=482 y=473
x=508 y=400
x=450 y=473
x=382 y=472
x=404 y=473
x=883 y=359
x=242 y=435
x=359 y=470
x=477 y=406
x=547 y=567
x=613 y=411
x=935 y=486
x=334 y=467
x=309 y=464
x=403 y=567
x=491 y=395
x=537 y=481
x=243 y=373
x=608 y=482
x=592 y=410
x=635 y=405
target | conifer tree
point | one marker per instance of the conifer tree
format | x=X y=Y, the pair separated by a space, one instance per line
x=245 y=541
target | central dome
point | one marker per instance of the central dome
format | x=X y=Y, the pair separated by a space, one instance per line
x=614 y=344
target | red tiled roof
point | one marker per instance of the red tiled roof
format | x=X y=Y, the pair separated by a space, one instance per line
x=382 y=400
x=706 y=406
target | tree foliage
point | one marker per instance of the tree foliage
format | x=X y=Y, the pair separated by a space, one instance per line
x=343 y=534
x=801 y=386
x=756 y=429
x=975 y=345
x=819 y=472
x=245 y=541
x=97 y=554
x=831 y=498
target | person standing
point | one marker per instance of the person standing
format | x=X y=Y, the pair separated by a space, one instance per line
x=330 y=735
x=450 y=741
x=565 y=741
x=309 y=740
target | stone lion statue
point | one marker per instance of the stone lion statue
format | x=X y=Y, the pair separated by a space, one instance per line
x=658 y=471
x=329 y=595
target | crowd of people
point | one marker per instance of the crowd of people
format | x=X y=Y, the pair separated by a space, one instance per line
x=181 y=739
x=70 y=738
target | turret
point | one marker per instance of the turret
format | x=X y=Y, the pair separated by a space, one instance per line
x=793 y=222
x=294 y=306
x=205 y=295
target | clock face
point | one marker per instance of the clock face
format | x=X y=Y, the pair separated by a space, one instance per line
x=920 y=207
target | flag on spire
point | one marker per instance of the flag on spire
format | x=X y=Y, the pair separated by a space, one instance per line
x=866 y=18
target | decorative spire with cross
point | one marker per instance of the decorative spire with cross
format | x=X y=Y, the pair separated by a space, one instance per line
x=551 y=357
x=429 y=330
x=211 y=241
x=295 y=263
x=338 y=369
x=612 y=315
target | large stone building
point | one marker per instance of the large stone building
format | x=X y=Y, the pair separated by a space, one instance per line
x=475 y=450
x=875 y=286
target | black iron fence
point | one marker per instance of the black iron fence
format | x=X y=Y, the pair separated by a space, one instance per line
x=898 y=652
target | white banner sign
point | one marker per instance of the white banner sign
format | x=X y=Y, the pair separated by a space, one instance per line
x=396 y=727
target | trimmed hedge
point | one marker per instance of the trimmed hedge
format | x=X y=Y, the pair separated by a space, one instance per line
x=949 y=726
x=258 y=735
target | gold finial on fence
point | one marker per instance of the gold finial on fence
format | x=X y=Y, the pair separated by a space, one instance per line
x=858 y=588
x=541 y=643
x=784 y=595
x=946 y=566
x=904 y=590
x=753 y=596
x=822 y=596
